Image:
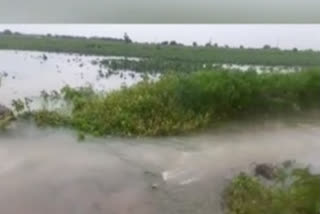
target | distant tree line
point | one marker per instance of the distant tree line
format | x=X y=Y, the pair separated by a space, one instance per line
x=126 y=38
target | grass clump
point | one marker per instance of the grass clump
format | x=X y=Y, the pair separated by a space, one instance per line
x=153 y=65
x=179 y=103
x=6 y=117
x=50 y=118
x=145 y=109
x=294 y=191
x=5 y=121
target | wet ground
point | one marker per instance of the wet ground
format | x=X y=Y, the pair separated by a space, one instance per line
x=49 y=171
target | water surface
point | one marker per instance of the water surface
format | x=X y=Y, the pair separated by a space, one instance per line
x=49 y=171
x=27 y=73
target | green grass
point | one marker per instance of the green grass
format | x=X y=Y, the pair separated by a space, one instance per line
x=153 y=65
x=158 y=65
x=186 y=54
x=294 y=191
x=52 y=118
x=180 y=103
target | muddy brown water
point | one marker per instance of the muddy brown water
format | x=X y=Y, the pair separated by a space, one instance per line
x=49 y=171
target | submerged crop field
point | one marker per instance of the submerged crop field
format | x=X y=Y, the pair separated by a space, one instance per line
x=165 y=51
x=179 y=103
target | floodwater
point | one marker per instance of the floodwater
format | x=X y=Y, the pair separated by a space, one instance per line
x=27 y=73
x=49 y=171
x=259 y=68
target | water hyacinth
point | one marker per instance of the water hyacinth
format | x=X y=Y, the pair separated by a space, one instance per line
x=179 y=103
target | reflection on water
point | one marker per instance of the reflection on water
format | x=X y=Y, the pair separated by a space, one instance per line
x=259 y=68
x=48 y=171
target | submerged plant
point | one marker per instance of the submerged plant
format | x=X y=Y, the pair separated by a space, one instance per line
x=52 y=118
x=179 y=103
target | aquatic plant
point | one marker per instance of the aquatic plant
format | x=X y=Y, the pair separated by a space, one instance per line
x=18 y=105
x=179 y=103
x=152 y=65
x=293 y=191
x=48 y=118
x=6 y=117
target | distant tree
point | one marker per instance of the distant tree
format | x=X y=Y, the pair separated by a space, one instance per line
x=208 y=44
x=226 y=46
x=194 y=44
x=295 y=49
x=215 y=45
x=241 y=47
x=127 y=38
x=7 y=32
x=164 y=43
x=173 y=42
x=266 y=47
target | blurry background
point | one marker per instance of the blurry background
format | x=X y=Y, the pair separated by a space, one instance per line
x=249 y=35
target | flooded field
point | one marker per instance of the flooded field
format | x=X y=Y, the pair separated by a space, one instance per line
x=49 y=171
x=26 y=74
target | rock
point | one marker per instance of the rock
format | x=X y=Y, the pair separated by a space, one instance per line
x=149 y=173
x=154 y=186
x=265 y=170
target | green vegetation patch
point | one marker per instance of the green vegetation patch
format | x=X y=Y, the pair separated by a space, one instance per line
x=6 y=117
x=179 y=103
x=153 y=65
x=5 y=121
x=292 y=191
x=165 y=51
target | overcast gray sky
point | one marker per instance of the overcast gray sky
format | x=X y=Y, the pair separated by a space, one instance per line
x=160 y=11
x=283 y=36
